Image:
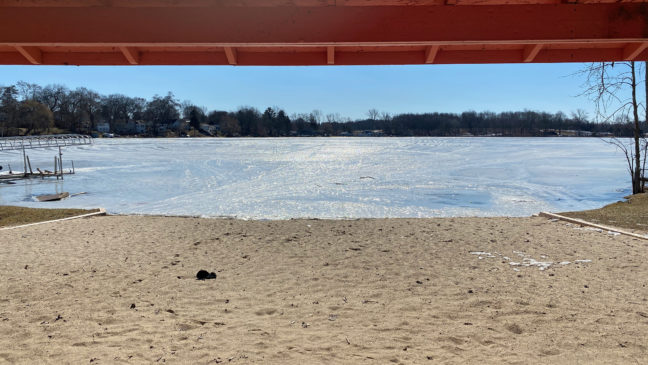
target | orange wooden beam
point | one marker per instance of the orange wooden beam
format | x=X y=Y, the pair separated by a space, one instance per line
x=317 y=57
x=171 y=3
x=235 y=26
x=286 y=3
x=340 y=32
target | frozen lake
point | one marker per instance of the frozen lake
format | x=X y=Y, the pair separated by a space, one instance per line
x=330 y=177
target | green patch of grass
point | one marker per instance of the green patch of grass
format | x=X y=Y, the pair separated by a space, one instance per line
x=14 y=216
x=632 y=213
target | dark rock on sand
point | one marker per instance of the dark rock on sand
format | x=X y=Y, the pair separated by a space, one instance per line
x=203 y=275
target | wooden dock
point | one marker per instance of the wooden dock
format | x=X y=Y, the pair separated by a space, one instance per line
x=28 y=172
x=8 y=178
x=44 y=141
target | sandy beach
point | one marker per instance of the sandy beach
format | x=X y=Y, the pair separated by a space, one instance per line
x=123 y=289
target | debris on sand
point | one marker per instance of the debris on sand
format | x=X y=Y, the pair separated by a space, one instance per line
x=204 y=275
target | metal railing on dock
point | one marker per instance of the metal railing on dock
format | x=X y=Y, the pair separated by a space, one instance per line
x=57 y=140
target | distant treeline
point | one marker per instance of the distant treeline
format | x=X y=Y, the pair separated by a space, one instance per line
x=32 y=109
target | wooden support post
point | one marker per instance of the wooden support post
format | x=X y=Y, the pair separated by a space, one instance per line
x=55 y=172
x=29 y=164
x=61 y=162
x=73 y=167
x=24 y=161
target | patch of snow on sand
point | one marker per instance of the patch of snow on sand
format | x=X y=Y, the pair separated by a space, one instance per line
x=482 y=254
x=526 y=260
x=578 y=227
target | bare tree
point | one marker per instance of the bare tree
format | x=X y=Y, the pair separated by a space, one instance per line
x=580 y=116
x=333 y=118
x=373 y=114
x=613 y=88
x=28 y=91
x=315 y=116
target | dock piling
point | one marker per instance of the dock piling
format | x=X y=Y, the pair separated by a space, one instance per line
x=24 y=161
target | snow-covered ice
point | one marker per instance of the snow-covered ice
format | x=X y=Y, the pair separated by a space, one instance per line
x=330 y=177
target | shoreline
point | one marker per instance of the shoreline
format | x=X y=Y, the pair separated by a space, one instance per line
x=636 y=205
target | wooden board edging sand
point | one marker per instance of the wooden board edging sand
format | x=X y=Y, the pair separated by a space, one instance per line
x=101 y=211
x=590 y=224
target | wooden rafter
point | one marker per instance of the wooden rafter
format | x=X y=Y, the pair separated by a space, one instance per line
x=530 y=52
x=330 y=55
x=231 y=54
x=31 y=54
x=431 y=53
x=632 y=51
x=131 y=54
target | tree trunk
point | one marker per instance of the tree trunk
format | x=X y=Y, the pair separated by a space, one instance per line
x=636 y=178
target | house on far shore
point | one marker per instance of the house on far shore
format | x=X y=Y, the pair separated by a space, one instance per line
x=140 y=127
x=133 y=127
x=369 y=133
x=567 y=133
x=103 y=127
x=181 y=125
x=210 y=129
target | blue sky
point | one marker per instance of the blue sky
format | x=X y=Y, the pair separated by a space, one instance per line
x=348 y=90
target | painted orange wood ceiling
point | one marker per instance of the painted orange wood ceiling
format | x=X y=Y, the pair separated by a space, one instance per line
x=320 y=32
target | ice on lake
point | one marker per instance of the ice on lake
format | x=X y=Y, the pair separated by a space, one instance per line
x=276 y=178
